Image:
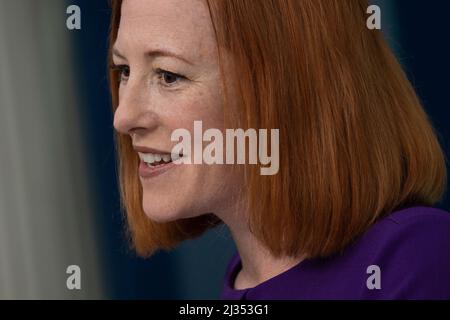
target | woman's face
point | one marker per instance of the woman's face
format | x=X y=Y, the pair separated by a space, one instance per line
x=167 y=56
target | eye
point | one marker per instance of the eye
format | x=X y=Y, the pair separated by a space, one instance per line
x=123 y=71
x=169 y=78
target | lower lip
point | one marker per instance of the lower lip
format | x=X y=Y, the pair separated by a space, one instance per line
x=150 y=172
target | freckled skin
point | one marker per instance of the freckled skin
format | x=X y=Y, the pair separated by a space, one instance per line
x=152 y=110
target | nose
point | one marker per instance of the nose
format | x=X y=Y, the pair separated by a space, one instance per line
x=134 y=114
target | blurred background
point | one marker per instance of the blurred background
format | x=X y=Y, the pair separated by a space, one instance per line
x=59 y=202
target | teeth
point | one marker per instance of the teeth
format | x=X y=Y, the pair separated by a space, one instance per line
x=147 y=157
x=151 y=158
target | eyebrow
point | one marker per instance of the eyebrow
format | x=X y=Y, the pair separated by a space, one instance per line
x=155 y=53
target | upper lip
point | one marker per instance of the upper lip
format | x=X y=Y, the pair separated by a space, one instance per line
x=143 y=149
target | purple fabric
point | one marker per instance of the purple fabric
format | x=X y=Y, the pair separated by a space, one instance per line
x=410 y=246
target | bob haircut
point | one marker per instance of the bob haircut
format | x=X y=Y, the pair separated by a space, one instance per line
x=355 y=142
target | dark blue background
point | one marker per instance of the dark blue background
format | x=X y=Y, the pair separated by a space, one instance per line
x=419 y=34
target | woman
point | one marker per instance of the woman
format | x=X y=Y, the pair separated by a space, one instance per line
x=348 y=214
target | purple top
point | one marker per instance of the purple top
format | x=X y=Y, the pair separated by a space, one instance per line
x=405 y=255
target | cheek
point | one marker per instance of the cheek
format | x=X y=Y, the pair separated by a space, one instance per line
x=188 y=190
x=202 y=106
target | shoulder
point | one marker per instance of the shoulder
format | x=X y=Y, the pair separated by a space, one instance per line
x=407 y=226
x=419 y=214
x=411 y=247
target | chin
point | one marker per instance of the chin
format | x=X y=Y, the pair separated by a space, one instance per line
x=162 y=213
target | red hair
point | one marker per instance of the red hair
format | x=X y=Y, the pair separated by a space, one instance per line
x=355 y=142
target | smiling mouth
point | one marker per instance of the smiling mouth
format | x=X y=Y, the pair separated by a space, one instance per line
x=154 y=160
x=156 y=164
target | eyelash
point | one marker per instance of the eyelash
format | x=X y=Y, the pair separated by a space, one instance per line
x=120 y=69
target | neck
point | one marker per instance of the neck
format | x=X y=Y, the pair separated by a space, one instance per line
x=258 y=263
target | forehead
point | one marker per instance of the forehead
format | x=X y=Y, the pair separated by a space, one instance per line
x=183 y=25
